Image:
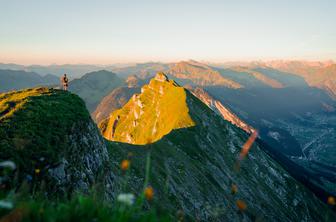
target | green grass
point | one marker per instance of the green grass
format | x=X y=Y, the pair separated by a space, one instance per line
x=80 y=208
x=164 y=108
x=34 y=125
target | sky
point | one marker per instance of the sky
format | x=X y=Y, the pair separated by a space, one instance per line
x=108 y=32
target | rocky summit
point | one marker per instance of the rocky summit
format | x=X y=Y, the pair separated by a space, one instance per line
x=147 y=117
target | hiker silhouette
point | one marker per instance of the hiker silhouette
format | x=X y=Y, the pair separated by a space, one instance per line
x=65 y=82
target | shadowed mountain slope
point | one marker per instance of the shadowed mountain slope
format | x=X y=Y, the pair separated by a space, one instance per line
x=196 y=166
x=219 y=108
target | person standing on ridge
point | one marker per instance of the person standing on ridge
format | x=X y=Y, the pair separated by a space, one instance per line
x=115 y=125
x=65 y=82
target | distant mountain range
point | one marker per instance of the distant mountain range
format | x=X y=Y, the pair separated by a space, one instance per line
x=234 y=74
x=73 y=70
x=317 y=74
x=14 y=80
x=94 y=86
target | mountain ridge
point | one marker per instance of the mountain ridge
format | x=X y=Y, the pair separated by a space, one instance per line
x=200 y=163
x=159 y=91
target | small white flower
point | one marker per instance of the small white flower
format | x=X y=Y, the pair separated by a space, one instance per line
x=126 y=198
x=6 y=204
x=8 y=164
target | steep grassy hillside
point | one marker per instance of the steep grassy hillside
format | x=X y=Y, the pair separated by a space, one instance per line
x=197 y=169
x=94 y=86
x=15 y=79
x=50 y=136
x=159 y=109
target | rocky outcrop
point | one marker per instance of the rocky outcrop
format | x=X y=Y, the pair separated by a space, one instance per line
x=161 y=77
x=83 y=163
x=219 y=108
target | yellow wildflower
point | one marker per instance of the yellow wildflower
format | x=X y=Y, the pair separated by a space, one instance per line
x=234 y=189
x=241 y=205
x=331 y=201
x=149 y=193
x=125 y=165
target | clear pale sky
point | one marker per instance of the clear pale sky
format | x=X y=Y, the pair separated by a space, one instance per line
x=106 y=32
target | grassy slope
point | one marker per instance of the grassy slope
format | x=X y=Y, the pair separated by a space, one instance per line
x=34 y=124
x=26 y=120
x=193 y=169
x=154 y=113
x=79 y=208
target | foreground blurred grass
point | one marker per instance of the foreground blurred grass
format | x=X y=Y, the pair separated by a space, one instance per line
x=22 y=205
x=79 y=208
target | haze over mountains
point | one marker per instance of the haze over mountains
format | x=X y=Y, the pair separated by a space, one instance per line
x=13 y=80
x=94 y=86
x=75 y=70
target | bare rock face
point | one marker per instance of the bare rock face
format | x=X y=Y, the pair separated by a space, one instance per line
x=161 y=77
x=133 y=81
x=79 y=169
x=220 y=109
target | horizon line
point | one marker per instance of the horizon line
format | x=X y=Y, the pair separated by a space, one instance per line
x=173 y=61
